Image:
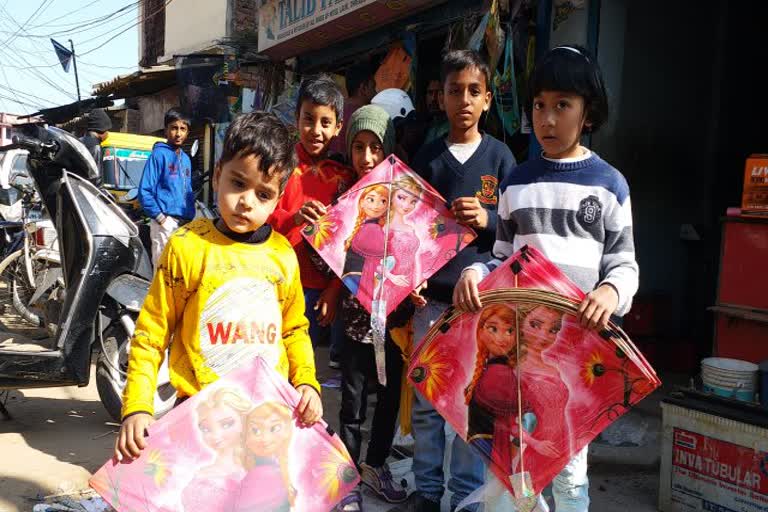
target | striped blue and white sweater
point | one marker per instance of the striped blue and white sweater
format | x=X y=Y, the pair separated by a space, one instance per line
x=577 y=212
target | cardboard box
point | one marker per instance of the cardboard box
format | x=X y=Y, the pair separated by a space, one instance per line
x=754 y=199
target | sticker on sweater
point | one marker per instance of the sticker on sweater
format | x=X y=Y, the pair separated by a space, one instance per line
x=487 y=192
x=240 y=320
x=590 y=210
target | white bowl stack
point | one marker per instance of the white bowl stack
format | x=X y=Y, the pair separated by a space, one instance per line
x=730 y=377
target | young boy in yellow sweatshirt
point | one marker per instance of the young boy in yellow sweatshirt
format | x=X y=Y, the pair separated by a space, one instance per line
x=225 y=290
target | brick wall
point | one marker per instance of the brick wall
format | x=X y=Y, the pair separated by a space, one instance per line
x=245 y=18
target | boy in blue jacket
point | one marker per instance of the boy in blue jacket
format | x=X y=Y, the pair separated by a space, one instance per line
x=165 y=191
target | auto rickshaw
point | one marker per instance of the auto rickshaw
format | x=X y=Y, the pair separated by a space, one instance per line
x=123 y=156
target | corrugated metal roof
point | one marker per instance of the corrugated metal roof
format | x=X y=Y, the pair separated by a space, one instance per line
x=139 y=83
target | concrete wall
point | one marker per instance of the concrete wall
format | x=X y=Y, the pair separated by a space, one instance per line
x=194 y=25
x=153 y=109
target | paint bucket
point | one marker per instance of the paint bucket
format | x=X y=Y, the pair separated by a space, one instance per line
x=731 y=378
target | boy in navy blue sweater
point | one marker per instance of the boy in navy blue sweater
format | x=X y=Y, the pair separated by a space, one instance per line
x=165 y=191
x=466 y=169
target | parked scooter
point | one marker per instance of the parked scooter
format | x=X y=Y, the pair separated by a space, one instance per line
x=106 y=273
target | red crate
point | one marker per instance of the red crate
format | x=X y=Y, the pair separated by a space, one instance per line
x=741 y=338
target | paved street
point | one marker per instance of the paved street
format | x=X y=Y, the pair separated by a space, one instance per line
x=58 y=436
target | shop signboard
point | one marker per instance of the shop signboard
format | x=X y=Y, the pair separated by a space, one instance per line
x=322 y=22
x=714 y=475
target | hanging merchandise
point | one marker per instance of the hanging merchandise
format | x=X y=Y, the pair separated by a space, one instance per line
x=264 y=460
x=205 y=86
x=385 y=237
x=395 y=70
x=460 y=33
x=285 y=105
x=476 y=40
x=494 y=36
x=505 y=90
x=521 y=381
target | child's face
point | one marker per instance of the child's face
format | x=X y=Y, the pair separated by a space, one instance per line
x=222 y=428
x=317 y=126
x=433 y=96
x=374 y=204
x=465 y=98
x=540 y=328
x=176 y=133
x=558 y=119
x=498 y=336
x=405 y=201
x=266 y=436
x=367 y=152
x=246 y=196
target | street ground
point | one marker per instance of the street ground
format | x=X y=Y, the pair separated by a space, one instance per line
x=59 y=436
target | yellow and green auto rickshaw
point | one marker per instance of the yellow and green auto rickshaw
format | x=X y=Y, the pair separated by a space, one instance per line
x=123 y=156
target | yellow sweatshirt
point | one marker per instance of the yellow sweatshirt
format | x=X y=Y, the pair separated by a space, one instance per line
x=221 y=302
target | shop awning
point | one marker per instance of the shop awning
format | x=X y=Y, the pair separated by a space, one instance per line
x=289 y=28
x=142 y=82
x=379 y=37
x=64 y=113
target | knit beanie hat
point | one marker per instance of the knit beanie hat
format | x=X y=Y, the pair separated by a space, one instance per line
x=374 y=119
x=99 y=121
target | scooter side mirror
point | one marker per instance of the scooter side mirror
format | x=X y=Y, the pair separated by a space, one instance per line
x=131 y=194
x=195 y=148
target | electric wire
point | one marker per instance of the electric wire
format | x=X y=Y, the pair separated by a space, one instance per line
x=42 y=6
x=166 y=4
x=90 y=24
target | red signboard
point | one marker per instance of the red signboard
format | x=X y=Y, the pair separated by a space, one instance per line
x=710 y=474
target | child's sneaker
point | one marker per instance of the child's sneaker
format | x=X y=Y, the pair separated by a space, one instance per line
x=380 y=481
x=352 y=502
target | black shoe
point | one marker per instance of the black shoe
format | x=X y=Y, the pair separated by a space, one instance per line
x=417 y=503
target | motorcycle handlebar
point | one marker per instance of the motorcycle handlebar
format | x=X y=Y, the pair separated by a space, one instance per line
x=34 y=146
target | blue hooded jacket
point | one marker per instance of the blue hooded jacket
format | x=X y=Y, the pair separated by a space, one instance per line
x=166 y=183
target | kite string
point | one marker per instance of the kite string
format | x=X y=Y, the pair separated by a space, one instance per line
x=519 y=397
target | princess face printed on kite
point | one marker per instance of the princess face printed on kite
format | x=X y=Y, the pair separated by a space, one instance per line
x=268 y=431
x=539 y=329
x=220 y=422
x=267 y=440
x=373 y=204
x=497 y=334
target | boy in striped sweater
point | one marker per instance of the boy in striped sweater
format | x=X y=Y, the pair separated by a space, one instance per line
x=572 y=206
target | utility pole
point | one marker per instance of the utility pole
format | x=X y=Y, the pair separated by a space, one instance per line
x=77 y=79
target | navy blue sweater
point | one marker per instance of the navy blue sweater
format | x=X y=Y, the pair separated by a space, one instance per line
x=478 y=177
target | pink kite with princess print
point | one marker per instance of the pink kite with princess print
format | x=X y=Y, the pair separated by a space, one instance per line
x=533 y=387
x=384 y=237
x=236 y=446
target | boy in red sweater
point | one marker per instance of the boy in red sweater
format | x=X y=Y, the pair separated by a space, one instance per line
x=315 y=183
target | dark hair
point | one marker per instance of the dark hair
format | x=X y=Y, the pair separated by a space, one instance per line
x=358 y=75
x=263 y=135
x=571 y=69
x=175 y=114
x=321 y=90
x=459 y=60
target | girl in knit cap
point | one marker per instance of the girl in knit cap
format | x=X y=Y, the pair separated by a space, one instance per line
x=370 y=137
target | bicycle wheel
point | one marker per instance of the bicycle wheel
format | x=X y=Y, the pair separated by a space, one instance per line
x=15 y=293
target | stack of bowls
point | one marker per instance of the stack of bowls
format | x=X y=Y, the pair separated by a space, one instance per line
x=730 y=378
